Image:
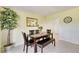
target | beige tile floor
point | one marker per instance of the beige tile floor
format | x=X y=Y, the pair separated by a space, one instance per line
x=61 y=47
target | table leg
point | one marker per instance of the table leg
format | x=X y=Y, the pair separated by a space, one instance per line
x=35 y=46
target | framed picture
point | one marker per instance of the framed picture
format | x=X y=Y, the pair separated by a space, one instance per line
x=31 y=22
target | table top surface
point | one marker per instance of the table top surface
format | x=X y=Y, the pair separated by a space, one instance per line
x=41 y=34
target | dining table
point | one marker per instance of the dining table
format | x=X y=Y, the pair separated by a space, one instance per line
x=36 y=37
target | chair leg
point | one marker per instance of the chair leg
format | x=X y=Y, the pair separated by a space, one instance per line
x=24 y=48
x=54 y=43
x=42 y=50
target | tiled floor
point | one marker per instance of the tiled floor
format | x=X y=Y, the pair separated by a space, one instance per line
x=61 y=47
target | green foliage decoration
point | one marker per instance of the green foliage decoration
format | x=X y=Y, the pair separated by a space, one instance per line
x=8 y=18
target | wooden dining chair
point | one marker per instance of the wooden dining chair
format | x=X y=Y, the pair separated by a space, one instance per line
x=50 y=34
x=31 y=32
x=48 y=31
x=26 y=42
x=36 y=31
x=46 y=41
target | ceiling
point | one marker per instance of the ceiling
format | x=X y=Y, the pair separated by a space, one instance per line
x=43 y=10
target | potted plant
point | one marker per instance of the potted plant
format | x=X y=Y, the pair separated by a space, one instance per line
x=8 y=20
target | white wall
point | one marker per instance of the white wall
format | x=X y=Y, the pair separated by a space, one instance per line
x=68 y=32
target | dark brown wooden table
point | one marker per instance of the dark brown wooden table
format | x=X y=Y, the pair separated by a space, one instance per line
x=36 y=37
